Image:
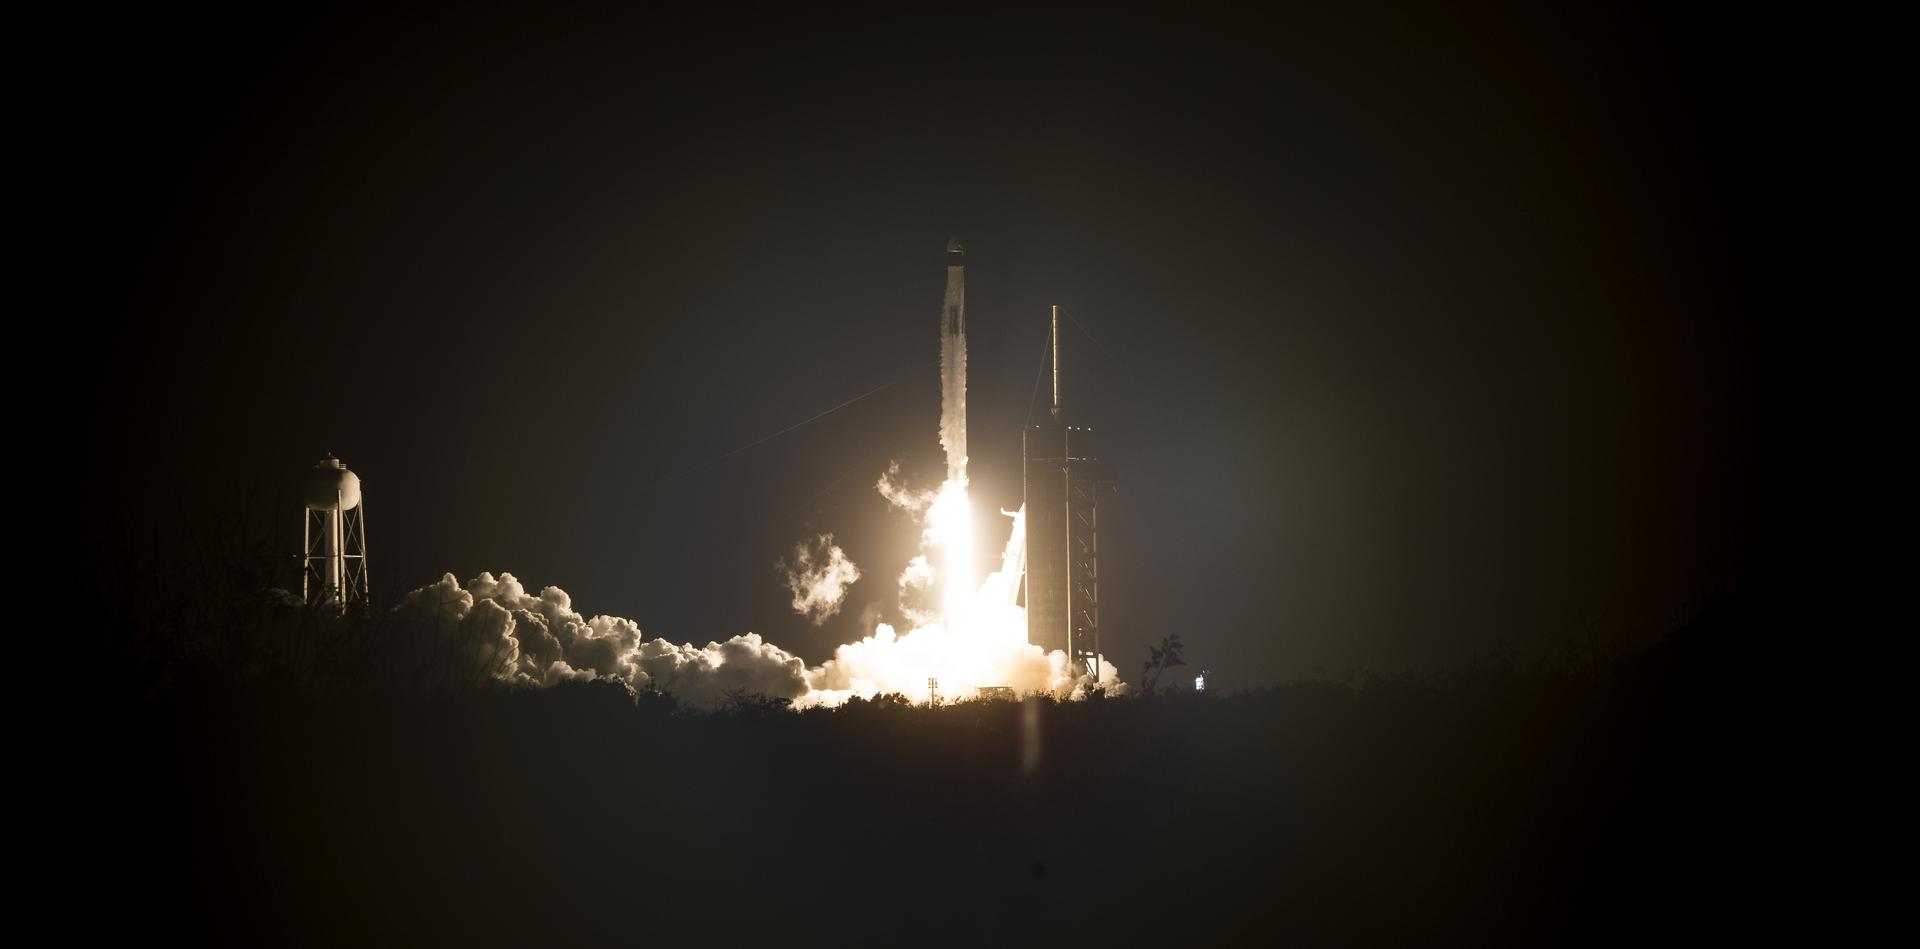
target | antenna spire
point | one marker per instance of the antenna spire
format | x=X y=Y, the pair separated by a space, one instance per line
x=1055 y=346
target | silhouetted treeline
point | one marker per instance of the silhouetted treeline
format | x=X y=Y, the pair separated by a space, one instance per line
x=1578 y=802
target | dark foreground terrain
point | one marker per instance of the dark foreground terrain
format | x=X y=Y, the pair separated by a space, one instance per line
x=1577 y=804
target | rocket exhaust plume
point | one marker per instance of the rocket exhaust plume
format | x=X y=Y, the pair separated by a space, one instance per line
x=951 y=515
x=973 y=637
x=953 y=365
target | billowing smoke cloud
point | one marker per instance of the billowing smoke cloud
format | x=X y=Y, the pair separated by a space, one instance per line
x=819 y=575
x=493 y=628
x=916 y=591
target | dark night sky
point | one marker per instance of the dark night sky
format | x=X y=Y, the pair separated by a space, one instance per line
x=1417 y=331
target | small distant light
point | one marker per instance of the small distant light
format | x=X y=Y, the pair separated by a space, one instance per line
x=1199 y=683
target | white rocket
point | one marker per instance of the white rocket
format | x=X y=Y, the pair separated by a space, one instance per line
x=953 y=364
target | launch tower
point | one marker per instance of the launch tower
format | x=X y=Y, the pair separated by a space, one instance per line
x=1064 y=484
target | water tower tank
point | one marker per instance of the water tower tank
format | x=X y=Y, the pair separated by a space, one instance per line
x=329 y=486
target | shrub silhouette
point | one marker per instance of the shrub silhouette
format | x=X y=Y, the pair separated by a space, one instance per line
x=1160 y=659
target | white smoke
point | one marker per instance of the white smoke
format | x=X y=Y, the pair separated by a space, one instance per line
x=916 y=592
x=953 y=405
x=493 y=628
x=976 y=637
x=918 y=574
x=819 y=575
x=893 y=486
x=953 y=377
x=984 y=644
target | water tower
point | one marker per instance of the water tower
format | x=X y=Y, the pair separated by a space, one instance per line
x=334 y=575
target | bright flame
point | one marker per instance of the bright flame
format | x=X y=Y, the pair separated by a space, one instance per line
x=950 y=528
x=979 y=638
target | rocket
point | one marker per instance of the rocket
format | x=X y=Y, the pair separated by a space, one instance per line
x=953 y=364
x=953 y=320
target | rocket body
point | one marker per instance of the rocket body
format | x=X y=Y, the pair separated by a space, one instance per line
x=953 y=365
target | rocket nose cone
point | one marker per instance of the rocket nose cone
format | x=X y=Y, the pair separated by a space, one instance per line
x=953 y=246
